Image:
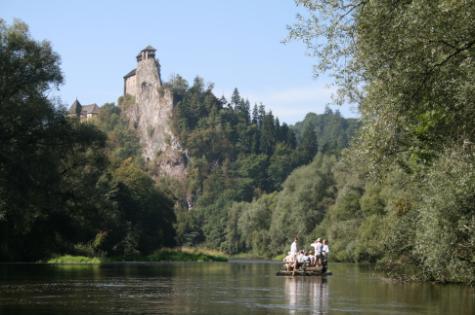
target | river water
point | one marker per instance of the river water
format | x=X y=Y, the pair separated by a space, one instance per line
x=245 y=287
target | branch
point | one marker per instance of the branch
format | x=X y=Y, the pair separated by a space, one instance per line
x=431 y=70
x=456 y=52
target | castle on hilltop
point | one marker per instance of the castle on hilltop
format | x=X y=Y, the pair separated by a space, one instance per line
x=146 y=75
x=147 y=71
x=149 y=112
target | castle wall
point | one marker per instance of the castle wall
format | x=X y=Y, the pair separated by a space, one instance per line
x=147 y=72
x=131 y=86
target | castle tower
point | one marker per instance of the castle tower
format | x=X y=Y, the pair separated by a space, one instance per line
x=147 y=52
x=147 y=73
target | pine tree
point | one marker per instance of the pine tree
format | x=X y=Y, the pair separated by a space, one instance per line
x=267 y=139
x=255 y=115
x=235 y=98
x=308 y=146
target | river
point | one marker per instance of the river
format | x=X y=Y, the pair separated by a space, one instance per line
x=240 y=287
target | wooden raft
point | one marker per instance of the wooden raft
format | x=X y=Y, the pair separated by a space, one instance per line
x=306 y=272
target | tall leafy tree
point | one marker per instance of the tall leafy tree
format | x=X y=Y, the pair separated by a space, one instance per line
x=409 y=67
x=40 y=149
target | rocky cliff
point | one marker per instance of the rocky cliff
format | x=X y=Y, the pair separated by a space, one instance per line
x=149 y=113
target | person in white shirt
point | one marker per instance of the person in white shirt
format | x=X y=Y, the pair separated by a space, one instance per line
x=317 y=245
x=290 y=261
x=293 y=248
x=302 y=260
x=301 y=257
x=325 y=248
x=325 y=253
x=313 y=259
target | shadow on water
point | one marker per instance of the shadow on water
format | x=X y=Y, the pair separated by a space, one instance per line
x=217 y=288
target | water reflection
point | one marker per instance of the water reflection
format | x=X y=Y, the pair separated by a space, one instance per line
x=217 y=288
x=310 y=294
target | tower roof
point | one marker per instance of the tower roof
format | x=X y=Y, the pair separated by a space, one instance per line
x=130 y=74
x=149 y=48
x=147 y=52
x=75 y=107
x=90 y=109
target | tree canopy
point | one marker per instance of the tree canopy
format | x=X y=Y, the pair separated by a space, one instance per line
x=409 y=67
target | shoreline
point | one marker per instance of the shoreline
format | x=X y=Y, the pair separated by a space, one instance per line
x=180 y=254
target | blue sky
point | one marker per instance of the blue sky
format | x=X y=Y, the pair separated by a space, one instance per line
x=229 y=43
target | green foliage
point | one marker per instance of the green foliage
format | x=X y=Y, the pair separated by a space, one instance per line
x=308 y=144
x=230 y=156
x=281 y=164
x=68 y=259
x=237 y=156
x=126 y=101
x=138 y=217
x=188 y=227
x=411 y=82
x=41 y=153
x=266 y=226
x=333 y=132
x=184 y=255
x=371 y=202
x=121 y=142
x=66 y=186
x=405 y=187
x=303 y=201
x=163 y=254
x=446 y=218
x=254 y=224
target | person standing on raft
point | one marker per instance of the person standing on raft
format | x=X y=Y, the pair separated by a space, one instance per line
x=290 y=261
x=293 y=248
x=325 y=252
x=318 y=246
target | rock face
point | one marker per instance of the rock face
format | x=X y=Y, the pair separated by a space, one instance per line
x=150 y=116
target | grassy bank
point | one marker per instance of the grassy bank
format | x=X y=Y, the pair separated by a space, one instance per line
x=70 y=259
x=164 y=254
x=254 y=256
x=186 y=254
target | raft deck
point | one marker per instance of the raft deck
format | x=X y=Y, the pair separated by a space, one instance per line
x=306 y=272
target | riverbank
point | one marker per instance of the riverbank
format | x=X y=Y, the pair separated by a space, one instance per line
x=164 y=254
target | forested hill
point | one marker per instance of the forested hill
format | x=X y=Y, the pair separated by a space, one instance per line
x=72 y=187
x=237 y=152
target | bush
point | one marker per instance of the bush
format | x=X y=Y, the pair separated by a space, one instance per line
x=445 y=243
